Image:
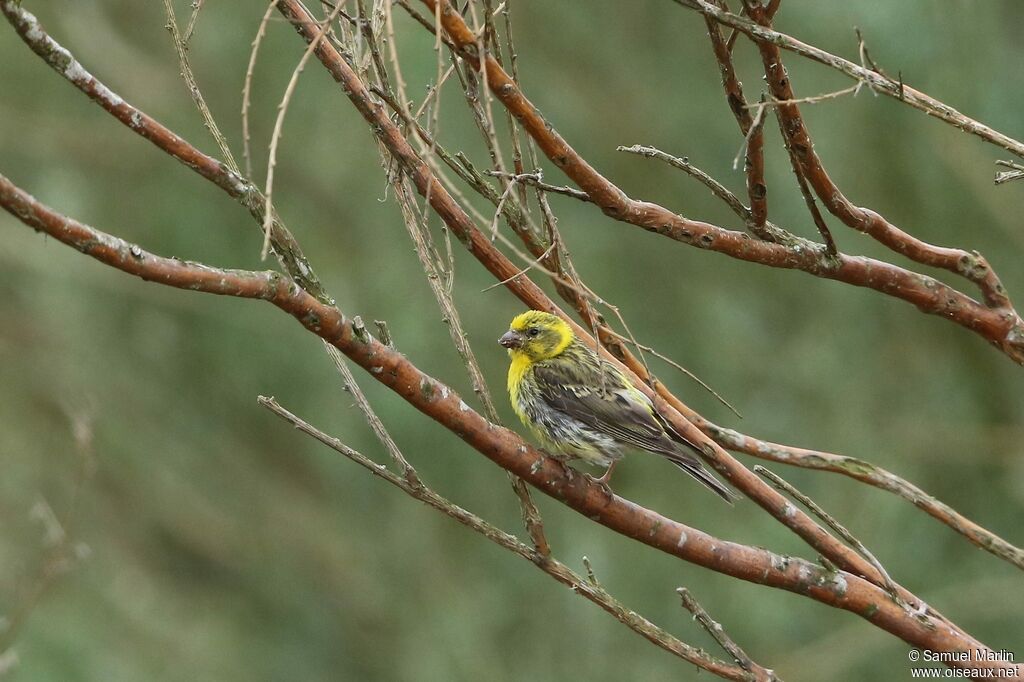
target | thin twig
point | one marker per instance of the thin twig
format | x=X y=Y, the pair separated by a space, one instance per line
x=751 y=129
x=673 y=363
x=557 y=570
x=534 y=180
x=282 y=109
x=1007 y=176
x=831 y=249
x=376 y=425
x=247 y=87
x=196 y=6
x=683 y=164
x=784 y=486
x=522 y=272
x=194 y=91
x=756 y=125
x=498 y=209
x=719 y=634
x=815 y=99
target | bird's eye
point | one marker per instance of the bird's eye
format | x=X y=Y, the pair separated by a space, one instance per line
x=533 y=331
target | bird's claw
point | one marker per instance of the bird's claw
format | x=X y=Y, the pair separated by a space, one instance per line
x=601 y=482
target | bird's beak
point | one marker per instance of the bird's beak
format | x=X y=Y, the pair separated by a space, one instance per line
x=511 y=339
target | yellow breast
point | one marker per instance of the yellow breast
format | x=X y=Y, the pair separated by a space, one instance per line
x=516 y=371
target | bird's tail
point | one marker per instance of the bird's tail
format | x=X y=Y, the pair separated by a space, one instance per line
x=704 y=476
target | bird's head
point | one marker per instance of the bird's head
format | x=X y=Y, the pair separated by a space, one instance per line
x=537 y=336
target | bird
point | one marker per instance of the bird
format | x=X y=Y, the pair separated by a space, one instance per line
x=582 y=407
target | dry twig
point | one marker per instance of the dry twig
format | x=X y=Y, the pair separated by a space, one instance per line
x=836 y=588
x=719 y=634
x=478 y=244
x=1003 y=327
x=180 y=46
x=588 y=589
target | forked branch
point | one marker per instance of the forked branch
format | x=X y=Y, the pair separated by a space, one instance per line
x=999 y=325
x=832 y=587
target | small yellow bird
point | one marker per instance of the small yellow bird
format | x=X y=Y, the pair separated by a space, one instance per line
x=584 y=408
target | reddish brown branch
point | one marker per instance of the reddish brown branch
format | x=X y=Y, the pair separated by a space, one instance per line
x=480 y=246
x=1003 y=328
x=588 y=589
x=834 y=588
x=972 y=266
x=865 y=472
x=460 y=224
x=752 y=131
x=239 y=188
x=849 y=466
x=805 y=191
x=896 y=89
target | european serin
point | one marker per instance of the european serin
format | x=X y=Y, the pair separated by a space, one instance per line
x=583 y=408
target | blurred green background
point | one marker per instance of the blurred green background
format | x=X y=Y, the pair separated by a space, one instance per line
x=216 y=543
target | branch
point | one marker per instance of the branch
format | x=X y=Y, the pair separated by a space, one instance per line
x=750 y=128
x=783 y=485
x=765 y=229
x=181 y=48
x=971 y=266
x=1016 y=173
x=1004 y=328
x=287 y=250
x=878 y=82
x=499 y=266
x=868 y=473
x=835 y=588
x=556 y=569
x=268 y=208
x=719 y=634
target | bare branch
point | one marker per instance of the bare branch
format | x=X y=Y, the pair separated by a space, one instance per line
x=275 y=138
x=781 y=484
x=247 y=86
x=180 y=46
x=288 y=252
x=534 y=179
x=479 y=245
x=868 y=473
x=1006 y=176
x=879 y=83
x=719 y=634
x=1002 y=327
x=683 y=164
x=588 y=589
x=750 y=128
x=197 y=5
x=376 y=425
x=836 y=588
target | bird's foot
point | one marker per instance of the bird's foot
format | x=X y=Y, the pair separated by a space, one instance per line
x=604 y=480
x=602 y=483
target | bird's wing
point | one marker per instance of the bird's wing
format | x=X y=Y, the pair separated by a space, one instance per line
x=599 y=398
